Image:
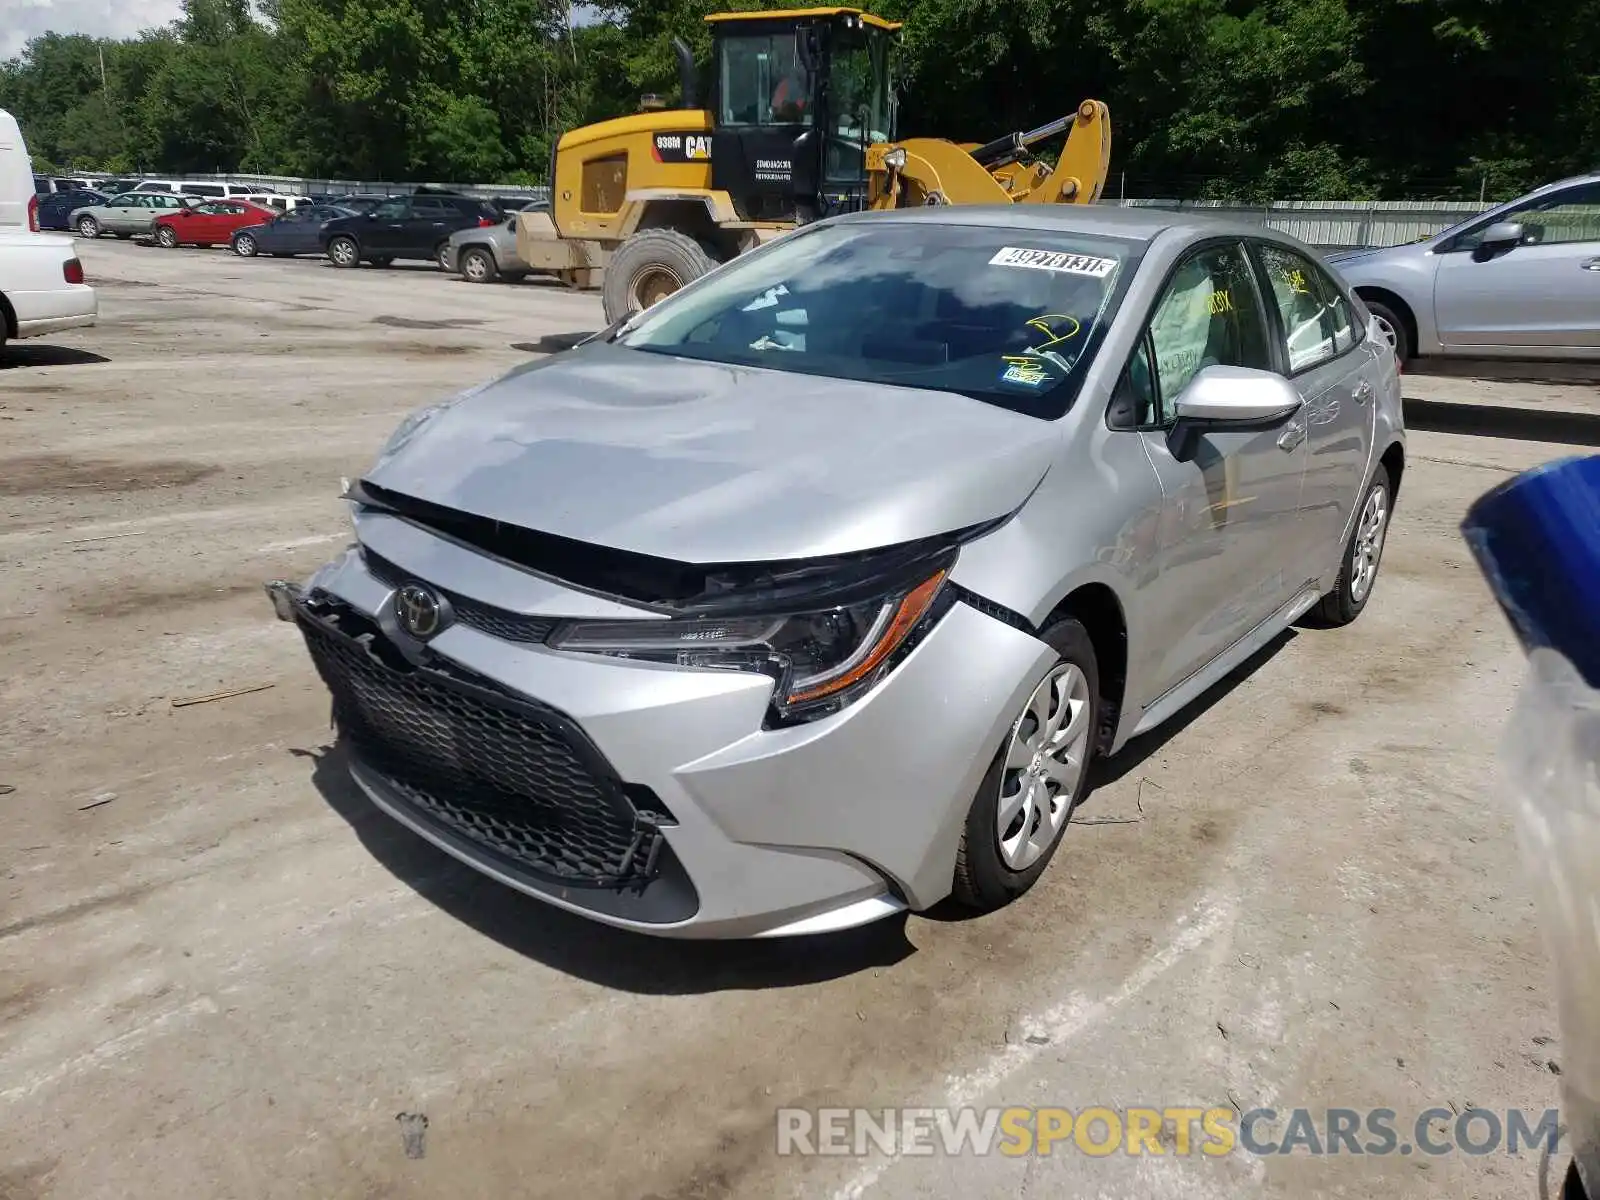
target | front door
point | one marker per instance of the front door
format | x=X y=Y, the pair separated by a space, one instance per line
x=1231 y=498
x=385 y=227
x=292 y=233
x=1542 y=293
x=128 y=213
x=1331 y=362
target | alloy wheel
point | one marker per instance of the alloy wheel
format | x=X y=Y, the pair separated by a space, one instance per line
x=1045 y=759
x=1370 y=533
x=244 y=245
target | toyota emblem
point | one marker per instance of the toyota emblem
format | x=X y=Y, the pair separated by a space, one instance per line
x=419 y=611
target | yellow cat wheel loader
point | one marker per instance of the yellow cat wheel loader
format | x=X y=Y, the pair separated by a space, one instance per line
x=799 y=125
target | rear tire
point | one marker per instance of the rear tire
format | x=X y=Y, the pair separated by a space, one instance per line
x=648 y=267
x=1358 y=570
x=343 y=252
x=88 y=227
x=441 y=256
x=1393 y=328
x=995 y=865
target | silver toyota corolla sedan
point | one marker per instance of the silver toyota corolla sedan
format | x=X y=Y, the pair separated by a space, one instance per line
x=809 y=594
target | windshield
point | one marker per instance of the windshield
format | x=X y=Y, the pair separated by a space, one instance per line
x=1009 y=317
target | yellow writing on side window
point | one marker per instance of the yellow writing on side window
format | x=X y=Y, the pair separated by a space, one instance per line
x=1221 y=302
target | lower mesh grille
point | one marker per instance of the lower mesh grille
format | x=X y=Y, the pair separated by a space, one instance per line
x=516 y=779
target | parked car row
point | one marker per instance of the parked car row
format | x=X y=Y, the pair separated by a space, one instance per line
x=462 y=234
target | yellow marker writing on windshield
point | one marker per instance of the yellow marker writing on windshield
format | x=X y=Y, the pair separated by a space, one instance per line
x=1046 y=323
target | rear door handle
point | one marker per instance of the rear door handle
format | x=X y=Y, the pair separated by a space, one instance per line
x=1293 y=434
x=1590 y=264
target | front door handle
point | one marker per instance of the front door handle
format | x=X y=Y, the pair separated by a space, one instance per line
x=1293 y=434
x=1363 y=392
x=1590 y=264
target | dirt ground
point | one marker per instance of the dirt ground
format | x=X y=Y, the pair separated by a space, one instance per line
x=230 y=979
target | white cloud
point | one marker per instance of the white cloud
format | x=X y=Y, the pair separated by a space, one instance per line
x=24 y=19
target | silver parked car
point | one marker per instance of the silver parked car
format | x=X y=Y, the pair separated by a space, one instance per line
x=809 y=594
x=132 y=214
x=1519 y=281
x=484 y=254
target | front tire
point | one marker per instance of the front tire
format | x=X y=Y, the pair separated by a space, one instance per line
x=1037 y=778
x=245 y=245
x=1358 y=570
x=343 y=252
x=477 y=266
x=88 y=227
x=648 y=267
x=1393 y=328
x=167 y=237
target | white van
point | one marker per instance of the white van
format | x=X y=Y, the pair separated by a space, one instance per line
x=19 y=203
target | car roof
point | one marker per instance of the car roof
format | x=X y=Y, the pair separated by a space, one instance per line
x=1136 y=224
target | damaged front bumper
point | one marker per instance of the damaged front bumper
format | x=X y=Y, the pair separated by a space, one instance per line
x=644 y=795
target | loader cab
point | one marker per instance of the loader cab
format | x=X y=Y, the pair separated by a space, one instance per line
x=797 y=97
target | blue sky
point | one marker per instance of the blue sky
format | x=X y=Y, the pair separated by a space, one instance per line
x=24 y=19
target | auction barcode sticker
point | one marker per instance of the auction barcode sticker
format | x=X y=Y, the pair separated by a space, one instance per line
x=1053 y=260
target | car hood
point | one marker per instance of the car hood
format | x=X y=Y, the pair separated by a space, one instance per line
x=707 y=463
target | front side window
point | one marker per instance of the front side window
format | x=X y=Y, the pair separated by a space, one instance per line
x=211 y=210
x=1009 y=317
x=1209 y=315
x=762 y=81
x=1570 y=215
x=1316 y=317
x=858 y=103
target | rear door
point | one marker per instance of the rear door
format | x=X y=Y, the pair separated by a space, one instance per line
x=1541 y=294
x=1226 y=547
x=127 y=213
x=1332 y=364
x=433 y=219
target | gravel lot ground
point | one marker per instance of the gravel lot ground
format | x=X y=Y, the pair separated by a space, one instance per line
x=230 y=979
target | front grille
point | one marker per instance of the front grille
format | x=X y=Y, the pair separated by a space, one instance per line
x=509 y=776
x=485 y=618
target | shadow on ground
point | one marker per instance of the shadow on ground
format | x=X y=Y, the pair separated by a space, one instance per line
x=47 y=356
x=1520 y=424
x=615 y=958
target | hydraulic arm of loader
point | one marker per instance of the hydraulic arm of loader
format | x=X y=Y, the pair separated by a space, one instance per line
x=921 y=171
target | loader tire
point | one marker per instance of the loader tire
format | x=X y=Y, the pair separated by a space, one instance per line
x=650 y=266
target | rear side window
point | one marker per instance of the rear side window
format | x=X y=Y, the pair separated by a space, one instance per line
x=1318 y=324
x=206 y=189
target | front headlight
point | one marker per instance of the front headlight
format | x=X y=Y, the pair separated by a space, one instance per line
x=819 y=661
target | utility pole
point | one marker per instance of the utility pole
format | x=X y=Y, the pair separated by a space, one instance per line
x=100 y=46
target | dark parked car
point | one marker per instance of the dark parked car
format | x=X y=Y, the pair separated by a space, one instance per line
x=298 y=231
x=404 y=227
x=357 y=202
x=55 y=210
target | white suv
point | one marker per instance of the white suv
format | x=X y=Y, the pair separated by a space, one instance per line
x=41 y=286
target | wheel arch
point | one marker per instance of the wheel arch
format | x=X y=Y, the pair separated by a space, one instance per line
x=1394 y=461
x=1097 y=607
x=1396 y=304
x=8 y=317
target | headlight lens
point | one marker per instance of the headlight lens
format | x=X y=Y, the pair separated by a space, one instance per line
x=820 y=661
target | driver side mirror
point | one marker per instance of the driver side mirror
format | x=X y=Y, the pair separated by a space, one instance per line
x=1223 y=398
x=1502 y=234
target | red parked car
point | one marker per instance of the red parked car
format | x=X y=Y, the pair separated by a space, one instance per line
x=209 y=224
